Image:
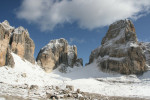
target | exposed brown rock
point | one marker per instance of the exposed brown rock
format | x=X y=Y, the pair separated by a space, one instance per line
x=34 y=87
x=78 y=91
x=70 y=87
x=22 y=44
x=34 y=92
x=120 y=51
x=24 y=75
x=55 y=53
x=15 y=40
x=5 y=33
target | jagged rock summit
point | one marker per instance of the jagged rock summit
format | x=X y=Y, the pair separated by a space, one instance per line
x=58 y=52
x=5 y=35
x=22 y=44
x=17 y=41
x=120 y=51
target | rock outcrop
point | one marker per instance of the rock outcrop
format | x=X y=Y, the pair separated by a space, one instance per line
x=120 y=50
x=57 y=52
x=5 y=34
x=94 y=54
x=17 y=41
x=22 y=44
x=9 y=59
x=146 y=49
x=71 y=55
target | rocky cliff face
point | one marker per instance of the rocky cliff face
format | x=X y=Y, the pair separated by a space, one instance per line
x=17 y=41
x=57 y=52
x=5 y=34
x=94 y=54
x=22 y=44
x=120 y=51
x=72 y=55
x=146 y=50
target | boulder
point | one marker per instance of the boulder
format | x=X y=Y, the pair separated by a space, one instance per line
x=22 y=45
x=57 y=52
x=5 y=54
x=34 y=87
x=78 y=91
x=70 y=87
x=120 y=51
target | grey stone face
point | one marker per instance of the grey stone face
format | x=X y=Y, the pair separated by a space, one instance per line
x=120 y=51
x=146 y=50
x=9 y=59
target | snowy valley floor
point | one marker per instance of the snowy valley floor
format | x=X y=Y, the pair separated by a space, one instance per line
x=13 y=81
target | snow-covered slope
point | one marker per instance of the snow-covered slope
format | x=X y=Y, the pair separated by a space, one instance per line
x=87 y=79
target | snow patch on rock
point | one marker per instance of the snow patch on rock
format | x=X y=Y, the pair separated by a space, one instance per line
x=54 y=44
x=20 y=30
x=7 y=26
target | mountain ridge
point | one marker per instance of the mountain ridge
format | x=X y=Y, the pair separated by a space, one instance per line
x=67 y=80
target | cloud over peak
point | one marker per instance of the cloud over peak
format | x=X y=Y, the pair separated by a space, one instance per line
x=88 y=14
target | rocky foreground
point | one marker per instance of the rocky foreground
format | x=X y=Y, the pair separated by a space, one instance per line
x=29 y=81
x=35 y=92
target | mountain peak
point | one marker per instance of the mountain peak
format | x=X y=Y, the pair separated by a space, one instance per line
x=120 y=51
x=58 y=52
x=20 y=30
x=6 y=25
x=6 y=22
x=12 y=40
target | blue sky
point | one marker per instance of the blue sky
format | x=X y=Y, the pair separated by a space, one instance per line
x=83 y=24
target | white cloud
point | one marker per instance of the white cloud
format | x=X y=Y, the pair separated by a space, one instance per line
x=75 y=40
x=88 y=14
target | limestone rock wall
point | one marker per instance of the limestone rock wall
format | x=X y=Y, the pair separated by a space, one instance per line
x=120 y=51
x=72 y=55
x=146 y=50
x=22 y=44
x=55 y=53
x=17 y=41
x=5 y=34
